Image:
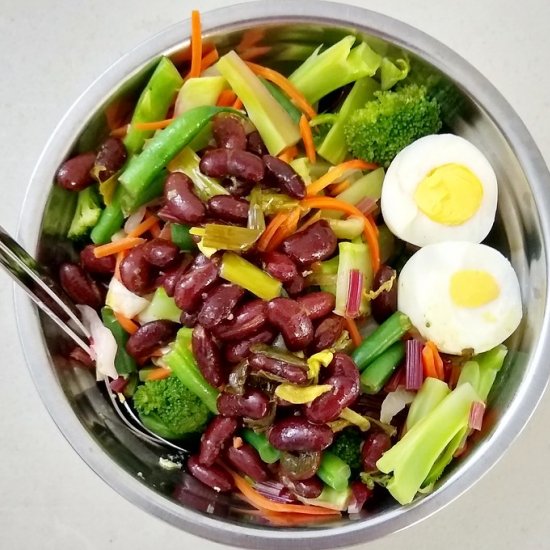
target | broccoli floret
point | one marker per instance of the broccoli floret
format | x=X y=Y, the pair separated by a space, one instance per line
x=88 y=210
x=390 y=122
x=347 y=446
x=169 y=409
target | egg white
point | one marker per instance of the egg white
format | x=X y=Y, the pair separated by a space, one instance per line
x=411 y=166
x=424 y=296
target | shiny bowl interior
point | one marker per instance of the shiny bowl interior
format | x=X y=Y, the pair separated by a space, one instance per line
x=292 y=30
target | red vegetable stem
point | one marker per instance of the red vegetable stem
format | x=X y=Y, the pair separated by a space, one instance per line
x=413 y=365
x=476 y=415
x=355 y=292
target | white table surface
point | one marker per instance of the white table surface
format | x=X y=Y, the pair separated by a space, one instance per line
x=50 y=51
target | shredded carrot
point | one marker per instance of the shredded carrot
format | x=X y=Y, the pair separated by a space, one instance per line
x=127 y=324
x=291 y=518
x=270 y=230
x=338 y=188
x=155 y=230
x=119 y=257
x=238 y=105
x=160 y=373
x=286 y=86
x=337 y=172
x=288 y=227
x=354 y=333
x=117 y=246
x=370 y=219
x=307 y=138
x=144 y=226
x=120 y=132
x=369 y=231
x=310 y=221
x=226 y=98
x=196 y=44
x=289 y=154
x=263 y=503
x=142 y=126
x=209 y=59
x=428 y=362
x=438 y=362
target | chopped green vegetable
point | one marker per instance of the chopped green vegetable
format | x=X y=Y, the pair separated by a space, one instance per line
x=169 y=409
x=350 y=228
x=391 y=72
x=389 y=332
x=87 y=213
x=379 y=371
x=389 y=123
x=241 y=272
x=334 y=471
x=124 y=362
x=331 y=498
x=197 y=92
x=154 y=102
x=227 y=237
x=322 y=73
x=283 y=101
x=347 y=446
x=161 y=307
x=181 y=236
x=267 y=452
x=430 y=394
x=274 y=124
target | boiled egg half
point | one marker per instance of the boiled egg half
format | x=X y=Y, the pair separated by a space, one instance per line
x=439 y=188
x=460 y=295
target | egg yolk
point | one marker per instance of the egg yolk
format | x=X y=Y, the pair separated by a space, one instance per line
x=471 y=288
x=450 y=194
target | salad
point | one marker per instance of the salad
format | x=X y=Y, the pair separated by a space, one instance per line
x=285 y=273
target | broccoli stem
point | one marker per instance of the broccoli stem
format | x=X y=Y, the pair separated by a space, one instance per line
x=181 y=237
x=267 y=452
x=334 y=147
x=430 y=395
x=379 y=371
x=389 y=332
x=334 y=471
x=162 y=306
x=124 y=363
x=87 y=213
x=154 y=102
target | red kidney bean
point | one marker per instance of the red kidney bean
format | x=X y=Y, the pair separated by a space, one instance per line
x=190 y=287
x=228 y=131
x=255 y=144
x=188 y=320
x=299 y=466
x=314 y=244
x=289 y=317
x=342 y=374
x=219 y=304
x=218 y=433
x=207 y=354
x=75 y=174
x=373 y=449
x=229 y=209
x=247 y=460
x=360 y=494
x=384 y=305
x=237 y=351
x=170 y=277
x=252 y=404
x=236 y=187
x=160 y=252
x=136 y=272
x=79 y=286
x=99 y=266
x=297 y=434
x=248 y=320
x=181 y=204
x=221 y=163
x=110 y=158
x=281 y=370
x=149 y=337
x=280 y=266
x=317 y=304
x=213 y=476
x=305 y=488
x=283 y=176
x=296 y=286
x=327 y=332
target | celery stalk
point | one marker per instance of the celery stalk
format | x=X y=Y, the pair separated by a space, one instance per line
x=347 y=229
x=162 y=306
x=412 y=458
x=154 y=102
x=301 y=166
x=241 y=272
x=334 y=147
x=293 y=112
x=267 y=452
x=188 y=162
x=329 y=267
x=334 y=471
x=196 y=92
x=270 y=119
x=322 y=73
x=391 y=72
x=490 y=363
x=431 y=393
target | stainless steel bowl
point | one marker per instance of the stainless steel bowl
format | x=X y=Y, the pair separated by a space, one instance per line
x=522 y=230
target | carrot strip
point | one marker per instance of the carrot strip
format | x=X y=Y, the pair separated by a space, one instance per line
x=155 y=230
x=159 y=373
x=369 y=232
x=270 y=230
x=440 y=371
x=370 y=219
x=143 y=227
x=337 y=172
x=263 y=503
x=117 y=246
x=238 y=105
x=354 y=333
x=315 y=218
x=428 y=362
x=288 y=88
x=143 y=126
x=289 y=154
x=307 y=138
x=209 y=59
x=127 y=324
x=226 y=98
x=288 y=227
x=196 y=45
x=120 y=132
x=119 y=257
x=338 y=188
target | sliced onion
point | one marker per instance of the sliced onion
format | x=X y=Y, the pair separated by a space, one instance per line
x=413 y=365
x=355 y=293
x=121 y=300
x=135 y=219
x=477 y=411
x=394 y=403
x=275 y=491
x=367 y=205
